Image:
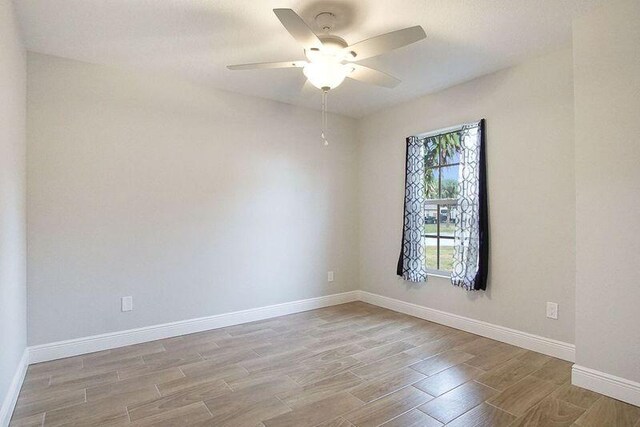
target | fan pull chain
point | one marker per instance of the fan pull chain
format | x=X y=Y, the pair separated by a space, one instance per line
x=324 y=117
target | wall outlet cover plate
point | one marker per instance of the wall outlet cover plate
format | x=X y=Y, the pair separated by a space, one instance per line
x=552 y=310
x=127 y=303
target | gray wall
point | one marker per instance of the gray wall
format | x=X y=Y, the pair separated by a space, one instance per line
x=150 y=187
x=529 y=113
x=13 y=329
x=607 y=128
x=195 y=201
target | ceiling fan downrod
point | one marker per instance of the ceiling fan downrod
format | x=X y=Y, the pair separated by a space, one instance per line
x=325 y=92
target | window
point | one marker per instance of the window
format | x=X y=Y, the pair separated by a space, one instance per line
x=445 y=226
x=442 y=160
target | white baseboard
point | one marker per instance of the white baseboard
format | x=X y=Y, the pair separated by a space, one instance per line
x=609 y=385
x=74 y=347
x=548 y=346
x=9 y=402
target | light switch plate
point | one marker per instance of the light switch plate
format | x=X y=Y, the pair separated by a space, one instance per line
x=329 y=276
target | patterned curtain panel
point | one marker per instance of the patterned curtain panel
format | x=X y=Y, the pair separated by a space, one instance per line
x=412 y=265
x=471 y=236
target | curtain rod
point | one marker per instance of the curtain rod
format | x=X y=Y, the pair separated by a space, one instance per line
x=445 y=130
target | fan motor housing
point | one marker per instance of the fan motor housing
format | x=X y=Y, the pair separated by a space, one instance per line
x=333 y=42
x=331 y=49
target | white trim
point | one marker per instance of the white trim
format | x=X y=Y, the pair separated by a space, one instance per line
x=439 y=273
x=445 y=130
x=9 y=402
x=74 y=347
x=446 y=202
x=439 y=131
x=548 y=346
x=607 y=384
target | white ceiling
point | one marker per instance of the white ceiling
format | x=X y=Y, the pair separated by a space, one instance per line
x=198 y=38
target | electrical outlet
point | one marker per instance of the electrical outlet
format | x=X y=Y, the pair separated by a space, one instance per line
x=127 y=303
x=329 y=276
x=552 y=310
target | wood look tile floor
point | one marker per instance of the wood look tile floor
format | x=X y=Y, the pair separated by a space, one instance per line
x=349 y=365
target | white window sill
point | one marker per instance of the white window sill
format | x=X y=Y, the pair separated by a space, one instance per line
x=438 y=273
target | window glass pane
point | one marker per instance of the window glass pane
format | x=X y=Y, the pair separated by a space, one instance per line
x=449 y=148
x=431 y=179
x=432 y=253
x=442 y=156
x=446 y=254
x=447 y=220
x=449 y=182
x=430 y=226
x=431 y=152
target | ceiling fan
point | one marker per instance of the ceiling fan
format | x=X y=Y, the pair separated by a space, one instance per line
x=330 y=59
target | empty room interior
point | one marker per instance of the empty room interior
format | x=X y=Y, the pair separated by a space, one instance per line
x=310 y=213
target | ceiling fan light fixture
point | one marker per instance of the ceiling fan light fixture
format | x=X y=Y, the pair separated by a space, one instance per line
x=325 y=75
x=327 y=54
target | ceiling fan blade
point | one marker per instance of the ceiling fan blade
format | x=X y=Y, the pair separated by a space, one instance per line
x=385 y=42
x=298 y=28
x=267 y=65
x=375 y=77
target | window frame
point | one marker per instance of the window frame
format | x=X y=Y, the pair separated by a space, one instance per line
x=440 y=201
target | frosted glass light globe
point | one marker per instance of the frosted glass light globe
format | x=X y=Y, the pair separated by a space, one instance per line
x=326 y=74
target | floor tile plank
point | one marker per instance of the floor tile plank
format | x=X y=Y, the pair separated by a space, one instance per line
x=337 y=422
x=151 y=379
x=312 y=374
x=248 y=392
x=521 y=396
x=197 y=393
x=180 y=384
x=456 y=402
x=609 y=412
x=413 y=418
x=484 y=415
x=320 y=390
x=550 y=412
x=555 y=370
x=577 y=396
x=382 y=352
x=386 y=384
x=495 y=356
x=37 y=405
x=448 y=379
x=442 y=361
x=387 y=408
x=31 y=421
x=102 y=412
x=252 y=415
x=380 y=367
x=509 y=373
x=186 y=415
x=317 y=412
